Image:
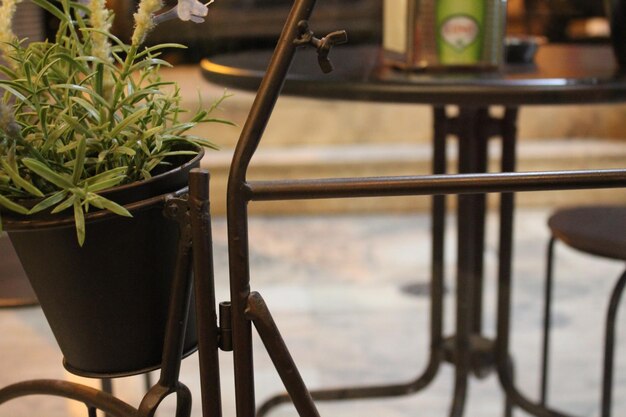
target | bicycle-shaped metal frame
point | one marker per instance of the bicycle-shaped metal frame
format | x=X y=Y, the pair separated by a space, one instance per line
x=231 y=329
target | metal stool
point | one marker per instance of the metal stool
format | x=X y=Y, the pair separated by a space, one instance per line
x=600 y=231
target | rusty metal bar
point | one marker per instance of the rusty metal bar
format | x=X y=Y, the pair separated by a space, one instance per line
x=547 y=323
x=470 y=208
x=92 y=397
x=177 y=209
x=434 y=184
x=180 y=297
x=239 y=267
x=204 y=287
x=609 y=346
x=260 y=315
x=441 y=124
x=438 y=226
x=508 y=163
x=484 y=127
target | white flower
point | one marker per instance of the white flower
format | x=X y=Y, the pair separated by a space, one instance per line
x=7 y=10
x=100 y=21
x=192 y=10
x=186 y=10
x=144 y=19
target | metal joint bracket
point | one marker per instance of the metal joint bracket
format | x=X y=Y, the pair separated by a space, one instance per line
x=177 y=209
x=482 y=352
x=225 y=335
x=323 y=45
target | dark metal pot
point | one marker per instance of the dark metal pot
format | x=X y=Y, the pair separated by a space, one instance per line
x=107 y=302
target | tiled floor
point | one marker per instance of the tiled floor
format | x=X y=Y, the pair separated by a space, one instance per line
x=335 y=285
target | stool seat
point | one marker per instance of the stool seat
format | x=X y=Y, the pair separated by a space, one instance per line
x=598 y=230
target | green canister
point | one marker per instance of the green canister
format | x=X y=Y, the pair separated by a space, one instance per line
x=422 y=34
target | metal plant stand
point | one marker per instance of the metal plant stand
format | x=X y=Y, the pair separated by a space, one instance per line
x=231 y=329
x=468 y=350
x=191 y=212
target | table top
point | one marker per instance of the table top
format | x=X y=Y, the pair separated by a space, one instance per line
x=561 y=74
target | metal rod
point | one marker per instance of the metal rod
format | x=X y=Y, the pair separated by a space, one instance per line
x=107 y=386
x=268 y=92
x=183 y=401
x=547 y=307
x=609 y=345
x=508 y=403
x=434 y=184
x=260 y=315
x=438 y=212
x=251 y=134
x=151 y=401
x=180 y=298
x=460 y=391
x=204 y=287
x=363 y=392
x=505 y=264
x=483 y=125
x=468 y=221
x=508 y=163
x=90 y=396
x=175 y=209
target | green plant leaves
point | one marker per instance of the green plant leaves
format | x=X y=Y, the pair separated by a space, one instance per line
x=130 y=120
x=54 y=199
x=39 y=168
x=5 y=202
x=79 y=162
x=19 y=181
x=83 y=116
x=103 y=203
x=79 y=218
x=47 y=6
x=117 y=174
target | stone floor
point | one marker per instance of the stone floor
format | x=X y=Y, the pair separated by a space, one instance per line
x=335 y=285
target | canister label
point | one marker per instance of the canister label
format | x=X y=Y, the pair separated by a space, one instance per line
x=456 y=34
x=460 y=31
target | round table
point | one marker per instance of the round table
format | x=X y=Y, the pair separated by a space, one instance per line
x=560 y=75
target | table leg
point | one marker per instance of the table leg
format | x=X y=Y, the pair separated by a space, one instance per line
x=15 y=290
x=507 y=205
x=438 y=216
x=472 y=131
x=470 y=244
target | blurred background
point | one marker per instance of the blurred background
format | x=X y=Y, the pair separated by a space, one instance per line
x=333 y=271
x=237 y=24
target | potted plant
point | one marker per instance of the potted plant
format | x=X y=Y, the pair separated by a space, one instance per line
x=90 y=137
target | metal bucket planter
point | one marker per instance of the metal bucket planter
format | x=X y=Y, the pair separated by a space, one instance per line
x=107 y=302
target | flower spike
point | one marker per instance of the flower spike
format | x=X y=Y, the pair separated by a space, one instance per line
x=186 y=10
